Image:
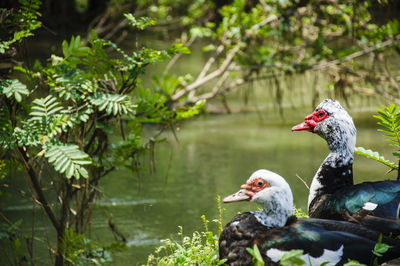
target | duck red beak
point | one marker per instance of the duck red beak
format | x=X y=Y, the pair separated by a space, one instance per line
x=309 y=124
x=303 y=126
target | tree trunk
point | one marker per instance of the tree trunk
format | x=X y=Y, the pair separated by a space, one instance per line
x=59 y=256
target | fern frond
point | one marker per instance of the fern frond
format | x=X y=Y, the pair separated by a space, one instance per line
x=68 y=159
x=49 y=116
x=44 y=108
x=151 y=106
x=28 y=136
x=375 y=156
x=13 y=88
x=113 y=103
x=389 y=118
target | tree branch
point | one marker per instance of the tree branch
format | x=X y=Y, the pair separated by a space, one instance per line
x=210 y=76
x=357 y=54
x=38 y=190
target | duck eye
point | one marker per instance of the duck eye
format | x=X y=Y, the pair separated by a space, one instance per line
x=321 y=114
x=260 y=183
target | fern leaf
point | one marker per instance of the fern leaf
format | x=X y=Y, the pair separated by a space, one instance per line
x=13 y=88
x=45 y=107
x=67 y=159
x=48 y=113
x=375 y=156
x=389 y=118
x=113 y=103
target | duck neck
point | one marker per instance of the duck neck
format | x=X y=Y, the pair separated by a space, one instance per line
x=334 y=173
x=276 y=210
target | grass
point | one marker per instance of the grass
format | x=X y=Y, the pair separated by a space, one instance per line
x=201 y=248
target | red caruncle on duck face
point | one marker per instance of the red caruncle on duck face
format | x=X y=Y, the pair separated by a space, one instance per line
x=311 y=121
x=255 y=185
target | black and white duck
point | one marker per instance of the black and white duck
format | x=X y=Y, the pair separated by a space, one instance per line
x=275 y=231
x=333 y=194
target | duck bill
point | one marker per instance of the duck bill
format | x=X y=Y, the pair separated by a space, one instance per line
x=303 y=126
x=238 y=196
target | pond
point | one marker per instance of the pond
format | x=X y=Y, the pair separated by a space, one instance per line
x=212 y=155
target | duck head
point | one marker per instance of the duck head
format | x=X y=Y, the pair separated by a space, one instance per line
x=272 y=192
x=331 y=121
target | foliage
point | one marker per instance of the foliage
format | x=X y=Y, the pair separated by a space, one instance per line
x=272 y=38
x=78 y=250
x=257 y=258
x=199 y=249
x=353 y=263
x=375 y=156
x=17 y=25
x=58 y=122
x=247 y=41
x=299 y=213
x=140 y=23
x=380 y=249
x=13 y=89
x=292 y=257
x=389 y=118
x=12 y=241
x=68 y=159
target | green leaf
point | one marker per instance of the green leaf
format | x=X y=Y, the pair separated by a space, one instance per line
x=83 y=172
x=140 y=23
x=375 y=156
x=179 y=48
x=257 y=258
x=389 y=117
x=67 y=159
x=17 y=246
x=292 y=258
x=113 y=103
x=13 y=88
x=380 y=248
x=210 y=47
x=65 y=48
x=353 y=263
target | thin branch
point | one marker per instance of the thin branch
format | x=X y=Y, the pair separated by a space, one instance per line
x=210 y=76
x=357 y=54
x=210 y=62
x=212 y=93
x=304 y=182
x=122 y=24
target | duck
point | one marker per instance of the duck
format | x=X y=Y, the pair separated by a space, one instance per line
x=276 y=231
x=333 y=194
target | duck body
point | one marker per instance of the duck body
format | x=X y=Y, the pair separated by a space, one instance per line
x=275 y=231
x=333 y=194
x=321 y=241
x=346 y=203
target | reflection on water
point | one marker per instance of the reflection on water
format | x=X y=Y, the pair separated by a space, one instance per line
x=214 y=156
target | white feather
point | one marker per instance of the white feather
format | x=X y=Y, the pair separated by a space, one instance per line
x=330 y=256
x=369 y=206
